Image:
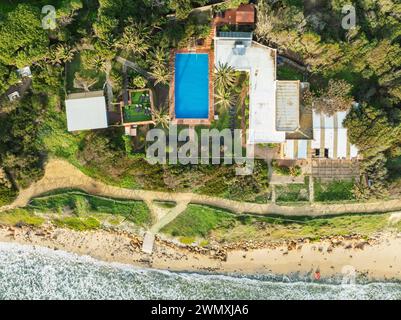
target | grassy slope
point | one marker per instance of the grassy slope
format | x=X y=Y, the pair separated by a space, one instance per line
x=198 y=220
x=81 y=204
x=78 y=211
x=204 y=222
x=20 y=216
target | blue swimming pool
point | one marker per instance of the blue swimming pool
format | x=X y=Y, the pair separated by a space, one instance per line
x=191 y=85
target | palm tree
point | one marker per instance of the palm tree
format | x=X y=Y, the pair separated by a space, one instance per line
x=161 y=74
x=84 y=82
x=97 y=62
x=224 y=76
x=109 y=42
x=161 y=117
x=159 y=56
x=63 y=53
x=135 y=38
x=224 y=98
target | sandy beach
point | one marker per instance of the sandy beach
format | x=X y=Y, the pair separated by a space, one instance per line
x=376 y=259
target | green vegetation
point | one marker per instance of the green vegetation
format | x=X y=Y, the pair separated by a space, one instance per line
x=82 y=204
x=79 y=55
x=20 y=217
x=360 y=64
x=345 y=65
x=231 y=97
x=139 y=109
x=187 y=240
x=79 y=211
x=222 y=181
x=283 y=170
x=7 y=194
x=83 y=73
x=292 y=192
x=207 y=222
x=285 y=72
x=197 y=221
x=165 y=204
x=334 y=191
x=78 y=223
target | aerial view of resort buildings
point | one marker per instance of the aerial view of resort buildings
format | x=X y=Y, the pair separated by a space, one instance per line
x=195 y=149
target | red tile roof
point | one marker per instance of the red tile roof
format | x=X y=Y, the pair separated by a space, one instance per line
x=244 y=14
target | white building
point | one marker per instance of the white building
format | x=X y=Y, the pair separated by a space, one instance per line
x=276 y=113
x=330 y=140
x=86 y=111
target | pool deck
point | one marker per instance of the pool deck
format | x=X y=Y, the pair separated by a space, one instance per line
x=205 y=48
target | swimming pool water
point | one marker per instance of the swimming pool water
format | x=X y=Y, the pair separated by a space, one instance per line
x=191 y=85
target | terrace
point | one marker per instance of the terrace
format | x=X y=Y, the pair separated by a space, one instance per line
x=139 y=108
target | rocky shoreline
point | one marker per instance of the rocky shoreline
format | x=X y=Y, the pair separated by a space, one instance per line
x=375 y=258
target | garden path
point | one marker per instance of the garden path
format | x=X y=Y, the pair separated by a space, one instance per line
x=60 y=174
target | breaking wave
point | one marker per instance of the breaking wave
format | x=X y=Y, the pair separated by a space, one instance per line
x=28 y=272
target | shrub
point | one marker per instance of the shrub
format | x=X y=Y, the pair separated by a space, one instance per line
x=139 y=82
x=7 y=195
x=294 y=171
x=281 y=170
x=78 y=224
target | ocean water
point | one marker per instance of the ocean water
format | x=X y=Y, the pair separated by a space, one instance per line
x=28 y=272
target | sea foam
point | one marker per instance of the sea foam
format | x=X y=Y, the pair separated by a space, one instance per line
x=28 y=272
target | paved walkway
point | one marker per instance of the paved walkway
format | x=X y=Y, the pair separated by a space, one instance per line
x=61 y=174
x=134 y=66
x=169 y=216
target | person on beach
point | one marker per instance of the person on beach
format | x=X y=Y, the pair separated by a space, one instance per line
x=317 y=274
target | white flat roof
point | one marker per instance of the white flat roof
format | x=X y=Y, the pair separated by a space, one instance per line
x=332 y=132
x=289 y=149
x=342 y=143
x=316 y=138
x=300 y=145
x=302 y=149
x=86 y=113
x=260 y=62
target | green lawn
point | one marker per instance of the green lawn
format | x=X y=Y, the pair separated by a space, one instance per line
x=285 y=72
x=333 y=191
x=81 y=204
x=139 y=110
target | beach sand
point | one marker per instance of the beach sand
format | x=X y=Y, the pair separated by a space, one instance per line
x=377 y=258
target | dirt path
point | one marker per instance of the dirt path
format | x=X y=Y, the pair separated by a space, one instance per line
x=61 y=174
